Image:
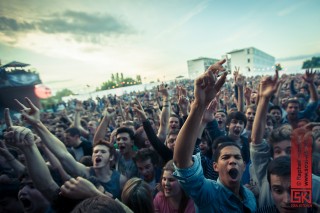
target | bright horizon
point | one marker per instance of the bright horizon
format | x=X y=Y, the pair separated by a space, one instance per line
x=77 y=43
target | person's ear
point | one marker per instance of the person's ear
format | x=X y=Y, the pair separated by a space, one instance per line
x=215 y=166
x=111 y=158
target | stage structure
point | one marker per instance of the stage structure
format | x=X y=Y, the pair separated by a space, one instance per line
x=17 y=82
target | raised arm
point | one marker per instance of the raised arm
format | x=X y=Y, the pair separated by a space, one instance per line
x=77 y=119
x=206 y=88
x=23 y=139
x=268 y=86
x=101 y=131
x=32 y=116
x=309 y=78
x=54 y=162
x=165 y=113
x=240 y=85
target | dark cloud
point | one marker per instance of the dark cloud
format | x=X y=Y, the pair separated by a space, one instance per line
x=11 y=25
x=90 y=26
x=80 y=22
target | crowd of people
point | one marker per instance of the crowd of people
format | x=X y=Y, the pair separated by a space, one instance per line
x=215 y=144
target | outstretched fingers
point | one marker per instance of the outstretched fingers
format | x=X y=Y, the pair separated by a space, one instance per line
x=32 y=106
x=20 y=104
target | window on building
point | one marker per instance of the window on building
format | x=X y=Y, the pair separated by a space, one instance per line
x=248 y=60
x=248 y=51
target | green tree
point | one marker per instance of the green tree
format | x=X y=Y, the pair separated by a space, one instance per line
x=313 y=63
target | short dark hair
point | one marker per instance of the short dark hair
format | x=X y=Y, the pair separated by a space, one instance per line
x=280 y=166
x=221 y=139
x=145 y=154
x=217 y=152
x=73 y=131
x=125 y=130
x=112 y=150
x=280 y=134
x=275 y=107
x=292 y=100
x=61 y=125
x=99 y=204
x=238 y=116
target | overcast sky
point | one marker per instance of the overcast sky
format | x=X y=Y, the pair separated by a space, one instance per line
x=79 y=42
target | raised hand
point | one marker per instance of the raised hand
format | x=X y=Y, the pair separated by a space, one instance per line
x=309 y=76
x=19 y=137
x=80 y=188
x=247 y=93
x=31 y=114
x=139 y=110
x=207 y=85
x=268 y=85
x=79 y=107
x=208 y=115
x=163 y=89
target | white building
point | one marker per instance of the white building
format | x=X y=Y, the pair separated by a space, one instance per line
x=251 y=59
x=198 y=66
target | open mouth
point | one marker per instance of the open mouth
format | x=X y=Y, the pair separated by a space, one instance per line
x=122 y=147
x=98 y=160
x=219 y=122
x=26 y=203
x=236 y=131
x=233 y=173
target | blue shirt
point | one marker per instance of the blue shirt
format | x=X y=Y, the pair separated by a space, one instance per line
x=210 y=195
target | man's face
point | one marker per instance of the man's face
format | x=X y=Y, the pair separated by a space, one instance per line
x=276 y=114
x=203 y=146
x=92 y=126
x=292 y=110
x=124 y=143
x=268 y=129
x=146 y=169
x=70 y=140
x=171 y=141
x=221 y=119
x=173 y=123
x=101 y=156
x=31 y=199
x=283 y=148
x=250 y=113
x=230 y=166
x=59 y=133
x=236 y=127
x=280 y=191
x=118 y=121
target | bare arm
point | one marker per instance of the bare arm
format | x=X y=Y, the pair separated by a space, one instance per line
x=102 y=128
x=77 y=119
x=32 y=116
x=206 y=88
x=23 y=139
x=17 y=167
x=165 y=113
x=309 y=78
x=268 y=87
x=55 y=163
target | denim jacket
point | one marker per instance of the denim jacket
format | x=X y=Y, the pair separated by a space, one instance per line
x=210 y=195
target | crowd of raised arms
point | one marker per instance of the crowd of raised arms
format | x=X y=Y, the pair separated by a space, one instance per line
x=215 y=144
